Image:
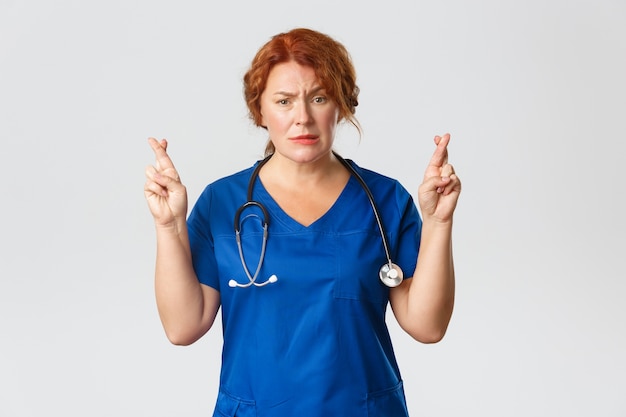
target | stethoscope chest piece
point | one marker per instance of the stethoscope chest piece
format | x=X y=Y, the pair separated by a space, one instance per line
x=391 y=275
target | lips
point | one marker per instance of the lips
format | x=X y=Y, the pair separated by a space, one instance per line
x=305 y=139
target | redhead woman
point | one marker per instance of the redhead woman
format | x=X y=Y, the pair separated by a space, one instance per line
x=304 y=250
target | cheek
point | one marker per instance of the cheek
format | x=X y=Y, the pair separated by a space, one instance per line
x=331 y=119
x=276 y=121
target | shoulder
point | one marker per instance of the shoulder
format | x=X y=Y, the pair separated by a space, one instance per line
x=225 y=191
x=233 y=181
x=368 y=173
x=377 y=181
x=390 y=195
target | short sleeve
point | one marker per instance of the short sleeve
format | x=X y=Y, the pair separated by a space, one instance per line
x=201 y=240
x=409 y=232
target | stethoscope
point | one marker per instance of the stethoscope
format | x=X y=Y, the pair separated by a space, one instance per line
x=390 y=274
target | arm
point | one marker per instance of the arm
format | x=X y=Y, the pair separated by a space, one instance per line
x=187 y=308
x=423 y=304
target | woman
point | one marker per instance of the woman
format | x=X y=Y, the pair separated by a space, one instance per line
x=303 y=309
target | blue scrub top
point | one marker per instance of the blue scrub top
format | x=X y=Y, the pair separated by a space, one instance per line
x=314 y=343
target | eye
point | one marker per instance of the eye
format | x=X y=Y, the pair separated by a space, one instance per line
x=319 y=99
x=283 y=101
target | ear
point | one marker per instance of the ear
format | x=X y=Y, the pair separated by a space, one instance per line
x=262 y=121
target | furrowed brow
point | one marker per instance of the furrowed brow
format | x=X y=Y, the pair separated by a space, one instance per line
x=284 y=94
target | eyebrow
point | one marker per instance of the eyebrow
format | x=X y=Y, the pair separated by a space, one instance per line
x=289 y=94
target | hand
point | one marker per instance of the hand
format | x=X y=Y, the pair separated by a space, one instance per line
x=166 y=195
x=439 y=192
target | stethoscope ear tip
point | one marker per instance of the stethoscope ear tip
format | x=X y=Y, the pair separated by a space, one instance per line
x=232 y=283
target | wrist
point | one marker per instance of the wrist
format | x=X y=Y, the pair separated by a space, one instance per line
x=437 y=225
x=174 y=228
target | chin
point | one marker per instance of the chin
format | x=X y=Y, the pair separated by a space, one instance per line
x=304 y=156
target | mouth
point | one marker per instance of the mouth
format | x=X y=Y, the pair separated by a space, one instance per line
x=305 y=139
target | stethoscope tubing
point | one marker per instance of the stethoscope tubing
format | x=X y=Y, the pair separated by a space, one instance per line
x=390 y=274
x=265 y=222
x=370 y=197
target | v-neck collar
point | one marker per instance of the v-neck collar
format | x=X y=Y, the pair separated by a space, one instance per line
x=277 y=213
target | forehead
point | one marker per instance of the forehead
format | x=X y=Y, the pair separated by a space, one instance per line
x=291 y=75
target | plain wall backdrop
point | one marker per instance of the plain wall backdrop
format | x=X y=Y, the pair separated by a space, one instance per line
x=533 y=93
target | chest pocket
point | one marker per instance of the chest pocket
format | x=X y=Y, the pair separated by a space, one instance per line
x=361 y=254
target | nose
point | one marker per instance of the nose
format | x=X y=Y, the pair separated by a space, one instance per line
x=303 y=115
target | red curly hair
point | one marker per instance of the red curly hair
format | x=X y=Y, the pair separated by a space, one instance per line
x=329 y=58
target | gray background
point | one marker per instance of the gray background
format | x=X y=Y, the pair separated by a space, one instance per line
x=533 y=93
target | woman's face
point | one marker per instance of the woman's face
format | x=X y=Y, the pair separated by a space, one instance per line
x=300 y=118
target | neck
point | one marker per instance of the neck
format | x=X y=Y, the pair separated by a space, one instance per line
x=281 y=170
